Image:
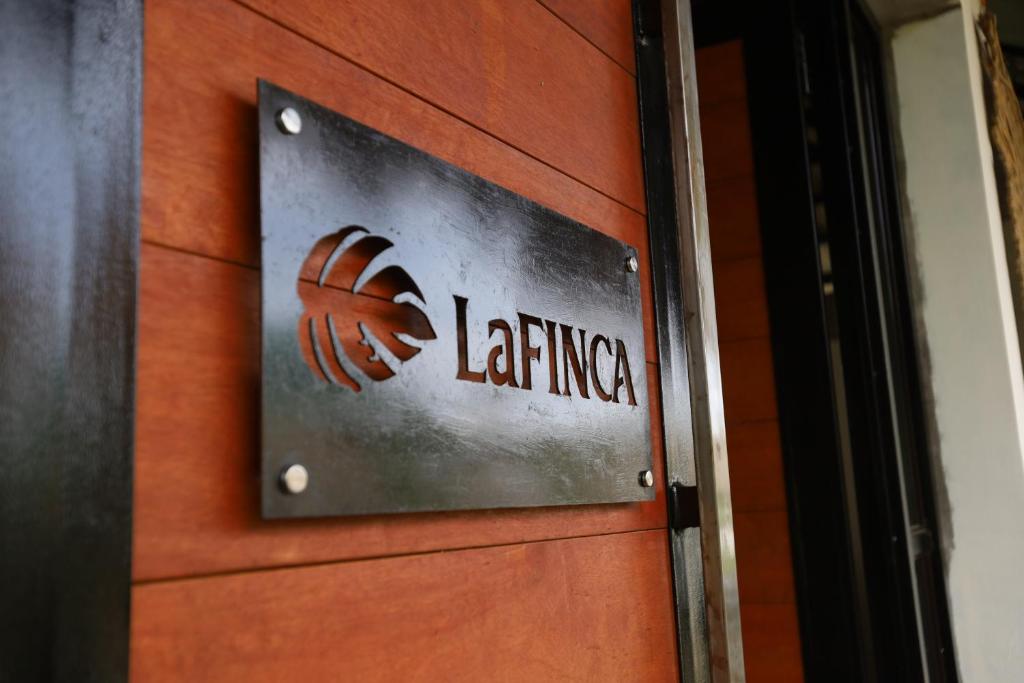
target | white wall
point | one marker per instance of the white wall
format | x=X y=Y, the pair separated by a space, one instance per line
x=894 y=12
x=971 y=360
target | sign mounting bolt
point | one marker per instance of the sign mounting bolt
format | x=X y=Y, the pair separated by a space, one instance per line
x=632 y=264
x=294 y=479
x=646 y=479
x=288 y=121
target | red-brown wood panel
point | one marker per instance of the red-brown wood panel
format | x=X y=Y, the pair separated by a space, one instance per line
x=763 y=557
x=585 y=609
x=741 y=303
x=608 y=24
x=755 y=467
x=763 y=554
x=771 y=643
x=731 y=156
x=748 y=380
x=732 y=216
x=200 y=182
x=197 y=453
x=509 y=67
x=504 y=89
x=720 y=74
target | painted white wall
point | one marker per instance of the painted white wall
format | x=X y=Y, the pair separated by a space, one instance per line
x=894 y=12
x=971 y=358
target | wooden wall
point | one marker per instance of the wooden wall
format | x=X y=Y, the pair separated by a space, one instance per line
x=537 y=97
x=771 y=640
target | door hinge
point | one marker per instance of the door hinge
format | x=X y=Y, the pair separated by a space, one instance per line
x=683 y=507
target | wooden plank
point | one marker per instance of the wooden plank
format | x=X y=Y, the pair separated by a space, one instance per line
x=725 y=131
x=733 y=219
x=197 y=453
x=200 y=182
x=721 y=74
x=763 y=557
x=588 y=609
x=748 y=380
x=608 y=24
x=771 y=644
x=741 y=306
x=508 y=67
x=755 y=467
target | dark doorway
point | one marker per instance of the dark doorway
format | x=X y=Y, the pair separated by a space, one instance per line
x=869 y=588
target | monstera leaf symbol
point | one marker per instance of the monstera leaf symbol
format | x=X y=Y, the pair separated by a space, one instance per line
x=360 y=317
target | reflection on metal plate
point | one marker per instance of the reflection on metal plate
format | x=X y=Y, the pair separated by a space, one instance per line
x=432 y=341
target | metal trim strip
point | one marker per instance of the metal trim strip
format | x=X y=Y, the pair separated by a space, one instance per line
x=707 y=603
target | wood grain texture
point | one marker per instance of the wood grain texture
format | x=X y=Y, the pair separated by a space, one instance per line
x=721 y=74
x=755 y=467
x=771 y=644
x=771 y=640
x=197 y=452
x=587 y=609
x=731 y=155
x=741 y=304
x=748 y=380
x=763 y=557
x=608 y=24
x=733 y=219
x=508 y=67
x=767 y=595
x=505 y=90
x=200 y=144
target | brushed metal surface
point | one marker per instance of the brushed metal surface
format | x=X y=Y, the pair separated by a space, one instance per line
x=710 y=455
x=703 y=557
x=399 y=423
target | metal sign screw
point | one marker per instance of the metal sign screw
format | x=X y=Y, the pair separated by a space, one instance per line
x=294 y=479
x=632 y=264
x=289 y=121
x=646 y=479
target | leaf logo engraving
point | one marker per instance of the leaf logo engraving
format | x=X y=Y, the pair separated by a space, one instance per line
x=359 y=319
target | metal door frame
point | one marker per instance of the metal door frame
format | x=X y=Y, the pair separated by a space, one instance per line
x=697 y=469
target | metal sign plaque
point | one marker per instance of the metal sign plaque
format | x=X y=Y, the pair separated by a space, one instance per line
x=432 y=341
